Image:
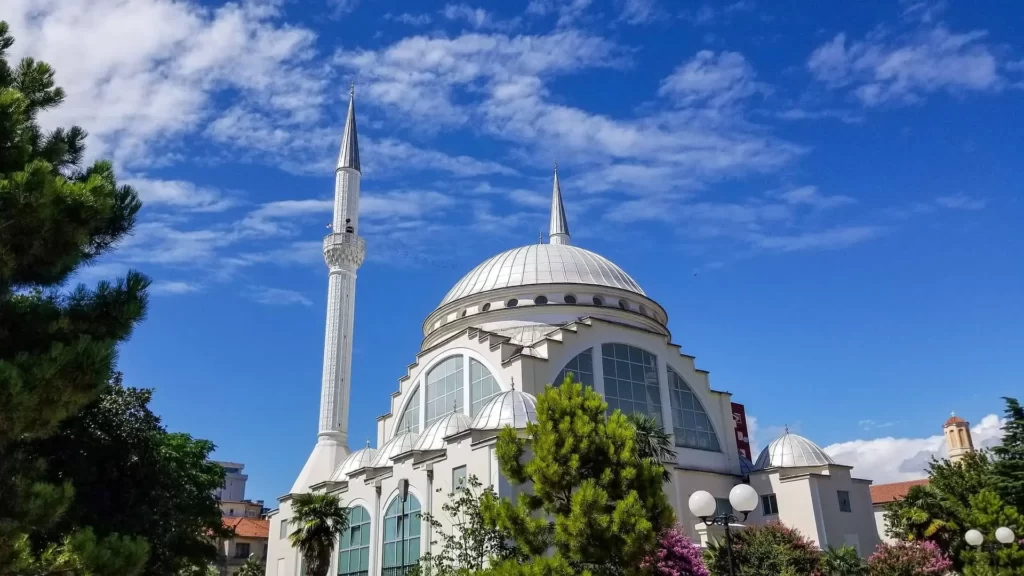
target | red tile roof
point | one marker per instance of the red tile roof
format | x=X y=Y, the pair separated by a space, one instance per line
x=248 y=527
x=885 y=493
x=954 y=420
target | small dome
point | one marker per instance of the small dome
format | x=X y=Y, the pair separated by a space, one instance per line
x=954 y=419
x=433 y=437
x=542 y=264
x=510 y=408
x=792 y=451
x=357 y=460
x=398 y=445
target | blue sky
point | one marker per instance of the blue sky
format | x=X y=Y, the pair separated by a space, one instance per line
x=826 y=199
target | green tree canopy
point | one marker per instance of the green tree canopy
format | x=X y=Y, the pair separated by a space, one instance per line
x=586 y=497
x=1008 y=469
x=57 y=346
x=989 y=512
x=128 y=471
x=320 y=520
x=765 y=550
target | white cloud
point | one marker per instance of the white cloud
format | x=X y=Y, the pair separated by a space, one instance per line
x=179 y=194
x=477 y=18
x=410 y=19
x=136 y=102
x=277 y=296
x=961 y=202
x=828 y=239
x=569 y=12
x=896 y=459
x=341 y=7
x=809 y=195
x=174 y=287
x=640 y=11
x=882 y=69
x=712 y=79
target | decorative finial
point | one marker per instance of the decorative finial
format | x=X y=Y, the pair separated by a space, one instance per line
x=352 y=89
x=367 y=442
x=513 y=383
x=787 y=428
x=556 y=165
x=455 y=406
x=953 y=413
x=540 y=237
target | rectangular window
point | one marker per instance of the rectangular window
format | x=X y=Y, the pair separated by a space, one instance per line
x=724 y=507
x=284 y=529
x=242 y=550
x=769 y=505
x=844 y=501
x=458 y=477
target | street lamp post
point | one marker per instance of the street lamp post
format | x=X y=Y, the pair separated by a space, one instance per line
x=1003 y=536
x=743 y=499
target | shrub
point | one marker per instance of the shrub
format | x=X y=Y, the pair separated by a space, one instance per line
x=921 y=558
x=676 y=555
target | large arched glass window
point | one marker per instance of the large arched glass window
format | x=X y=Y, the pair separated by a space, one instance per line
x=482 y=386
x=690 y=422
x=582 y=368
x=410 y=421
x=444 y=389
x=401 y=534
x=631 y=380
x=354 y=548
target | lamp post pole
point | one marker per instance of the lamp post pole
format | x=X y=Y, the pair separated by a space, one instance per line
x=743 y=499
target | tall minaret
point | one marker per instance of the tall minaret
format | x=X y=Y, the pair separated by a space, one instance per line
x=958 y=437
x=344 y=250
x=559 y=232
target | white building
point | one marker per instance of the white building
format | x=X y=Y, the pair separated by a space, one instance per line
x=511 y=325
x=234 y=482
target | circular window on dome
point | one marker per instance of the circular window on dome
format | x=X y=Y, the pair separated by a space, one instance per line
x=463 y=314
x=569 y=299
x=643 y=310
x=512 y=303
x=598 y=301
x=540 y=300
x=485 y=307
x=623 y=304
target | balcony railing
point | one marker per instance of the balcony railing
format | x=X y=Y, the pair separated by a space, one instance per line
x=397 y=570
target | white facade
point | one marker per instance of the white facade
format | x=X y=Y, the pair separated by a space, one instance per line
x=233 y=489
x=511 y=326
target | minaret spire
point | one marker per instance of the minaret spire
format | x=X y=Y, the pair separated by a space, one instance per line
x=559 y=233
x=344 y=251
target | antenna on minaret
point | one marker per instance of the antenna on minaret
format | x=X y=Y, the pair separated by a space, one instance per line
x=540 y=237
x=559 y=230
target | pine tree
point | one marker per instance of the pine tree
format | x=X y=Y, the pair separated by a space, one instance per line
x=1008 y=469
x=988 y=513
x=587 y=499
x=57 y=348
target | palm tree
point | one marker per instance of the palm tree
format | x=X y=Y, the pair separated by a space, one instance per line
x=652 y=442
x=843 y=562
x=319 y=519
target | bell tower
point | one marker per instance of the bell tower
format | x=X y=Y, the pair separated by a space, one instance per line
x=958 y=437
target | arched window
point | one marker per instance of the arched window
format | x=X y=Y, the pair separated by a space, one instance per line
x=631 y=380
x=582 y=368
x=402 y=534
x=482 y=386
x=410 y=421
x=444 y=389
x=690 y=422
x=354 y=548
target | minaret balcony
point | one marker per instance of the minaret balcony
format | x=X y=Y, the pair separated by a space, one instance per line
x=344 y=251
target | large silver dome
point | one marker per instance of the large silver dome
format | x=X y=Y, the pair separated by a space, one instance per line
x=542 y=264
x=792 y=451
x=510 y=408
x=433 y=437
x=357 y=460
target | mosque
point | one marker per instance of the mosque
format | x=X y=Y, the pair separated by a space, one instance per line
x=514 y=323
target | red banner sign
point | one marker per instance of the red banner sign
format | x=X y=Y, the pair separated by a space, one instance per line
x=739 y=416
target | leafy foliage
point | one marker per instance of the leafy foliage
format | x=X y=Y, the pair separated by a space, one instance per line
x=591 y=500
x=1008 y=469
x=939 y=511
x=468 y=541
x=319 y=519
x=766 y=550
x=676 y=555
x=652 y=442
x=908 y=559
x=127 y=470
x=989 y=512
x=57 y=349
x=252 y=567
x=843 y=561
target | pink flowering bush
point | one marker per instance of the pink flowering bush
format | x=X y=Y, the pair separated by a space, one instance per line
x=676 y=555
x=921 y=558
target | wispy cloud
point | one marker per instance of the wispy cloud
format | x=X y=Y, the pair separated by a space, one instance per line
x=277 y=297
x=873 y=425
x=961 y=202
x=641 y=11
x=711 y=79
x=901 y=69
x=180 y=194
x=410 y=19
x=477 y=18
x=809 y=195
x=174 y=287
